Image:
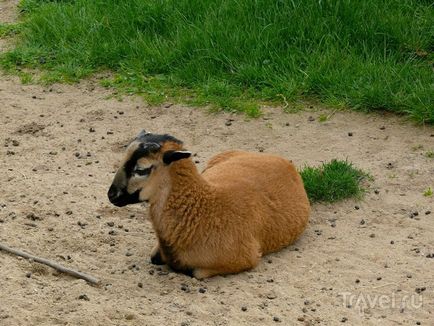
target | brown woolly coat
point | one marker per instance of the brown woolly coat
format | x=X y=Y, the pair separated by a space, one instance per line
x=244 y=205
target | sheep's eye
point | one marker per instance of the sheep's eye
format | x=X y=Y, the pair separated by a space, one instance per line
x=143 y=171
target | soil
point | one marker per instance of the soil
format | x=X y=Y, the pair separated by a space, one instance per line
x=360 y=262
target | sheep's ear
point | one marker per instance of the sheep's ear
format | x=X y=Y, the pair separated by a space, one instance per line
x=173 y=156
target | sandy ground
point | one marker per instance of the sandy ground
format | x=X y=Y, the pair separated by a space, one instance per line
x=359 y=262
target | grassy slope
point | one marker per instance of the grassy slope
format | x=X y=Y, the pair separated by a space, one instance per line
x=372 y=54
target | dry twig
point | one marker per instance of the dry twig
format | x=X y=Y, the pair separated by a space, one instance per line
x=50 y=263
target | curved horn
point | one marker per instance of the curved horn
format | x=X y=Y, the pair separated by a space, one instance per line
x=142 y=134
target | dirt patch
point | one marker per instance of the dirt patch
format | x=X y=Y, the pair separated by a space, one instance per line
x=54 y=205
x=32 y=128
x=353 y=254
x=120 y=146
x=8 y=11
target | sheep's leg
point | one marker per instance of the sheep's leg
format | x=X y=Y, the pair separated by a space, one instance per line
x=156 y=256
x=201 y=273
x=250 y=261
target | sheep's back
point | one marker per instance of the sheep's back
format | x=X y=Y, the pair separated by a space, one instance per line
x=265 y=194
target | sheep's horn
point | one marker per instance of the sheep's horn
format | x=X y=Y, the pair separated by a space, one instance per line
x=142 y=134
x=153 y=147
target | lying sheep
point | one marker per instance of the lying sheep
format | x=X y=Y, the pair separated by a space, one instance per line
x=243 y=206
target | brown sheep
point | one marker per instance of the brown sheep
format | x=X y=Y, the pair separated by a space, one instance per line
x=243 y=206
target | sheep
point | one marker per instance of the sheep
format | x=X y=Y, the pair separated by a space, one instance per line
x=222 y=221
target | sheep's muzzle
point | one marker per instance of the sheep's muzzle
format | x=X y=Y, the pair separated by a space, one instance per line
x=120 y=197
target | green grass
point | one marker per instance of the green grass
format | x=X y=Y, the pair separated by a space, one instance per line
x=367 y=55
x=9 y=29
x=428 y=192
x=333 y=181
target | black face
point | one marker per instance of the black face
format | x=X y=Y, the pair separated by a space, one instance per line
x=120 y=197
x=148 y=144
x=143 y=150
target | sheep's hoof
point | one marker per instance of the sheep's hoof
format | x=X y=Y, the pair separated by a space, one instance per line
x=156 y=259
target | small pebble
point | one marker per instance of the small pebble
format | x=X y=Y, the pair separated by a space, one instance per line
x=28 y=275
x=276 y=319
x=420 y=290
x=202 y=290
x=244 y=308
x=83 y=297
x=350 y=134
x=343 y=320
x=140 y=284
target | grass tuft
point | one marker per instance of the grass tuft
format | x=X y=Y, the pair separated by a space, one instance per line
x=429 y=154
x=333 y=181
x=9 y=29
x=368 y=55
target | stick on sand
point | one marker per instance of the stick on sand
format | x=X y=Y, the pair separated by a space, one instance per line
x=50 y=263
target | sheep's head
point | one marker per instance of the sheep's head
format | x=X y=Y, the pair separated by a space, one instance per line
x=146 y=158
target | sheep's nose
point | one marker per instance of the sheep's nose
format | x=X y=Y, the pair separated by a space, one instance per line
x=113 y=193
